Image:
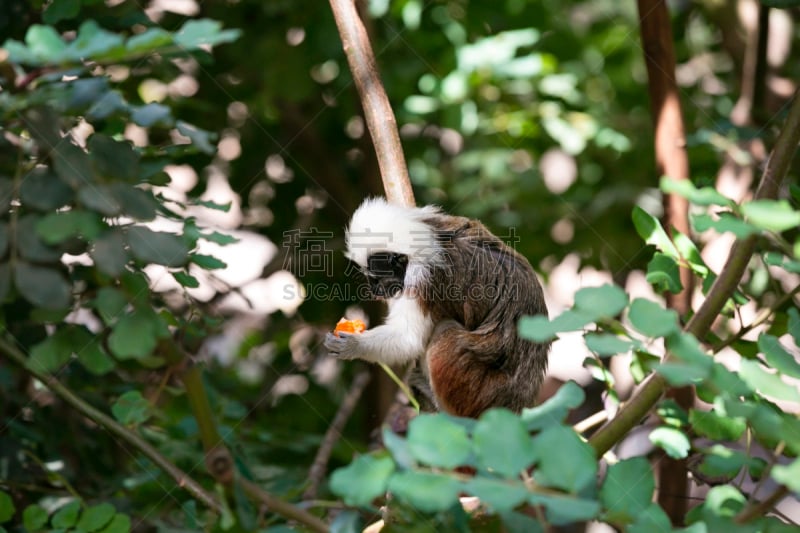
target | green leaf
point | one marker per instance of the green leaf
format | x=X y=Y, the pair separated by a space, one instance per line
x=149 y=40
x=42 y=286
x=131 y=408
x=673 y=441
x=721 y=461
x=346 y=522
x=653 y=518
x=45 y=43
x=56 y=228
x=186 y=280
x=135 y=335
x=649 y=228
x=213 y=205
x=777 y=356
x=540 y=329
x=681 y=374
x=135 y=202
x=771 y=215
x=689 y=252
x=788 y=475
x=52 y=353
x=607 y=343
x=110 y=103
x=94 y=42
x=425 y=491
x=119 y=524
x=606 y=301
x=41 y=189
x=201 y=139
x=157 y=247
x=686 y=347
x=72 y=165
x=569 y=396
x=769 y=384
x=502 y=443
x=208 y=262
x=500 y=495
x=438 y=441
x=34 y=245
x=7 y=508
x=19 y=53
x=95 y=517
x=520 y=523
x=220 y=238
x=67 y=516
x=94 y=358
x=363 y=480
x=34 y=517
x=203 y=32
x=663 y=273
x=113 y=159
x=627 y=490
x=398 y=447
x=794 y=324
x=724 y=500
x=109 y=253
x=564 y=460
x=152 y=115
x=702 y=196
x=59 y=10
x=562 y=510
x=99 y=198
x=651 y=319
x=725 y=223
x=716 y=426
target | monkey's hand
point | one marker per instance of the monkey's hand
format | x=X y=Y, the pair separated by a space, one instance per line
x=343 y=345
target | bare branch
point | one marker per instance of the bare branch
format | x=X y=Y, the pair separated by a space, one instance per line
x=377 y=109
x=320 y=464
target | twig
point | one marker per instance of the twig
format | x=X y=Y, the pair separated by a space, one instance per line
x=181 y=478
x=377 y=110
x=320 y=464
x=758 y=509
x=283 y=508
x=760 y=318
x=588 y=423
x=700 y=324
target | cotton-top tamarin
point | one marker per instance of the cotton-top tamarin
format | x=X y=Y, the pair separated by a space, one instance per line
x=455 y=293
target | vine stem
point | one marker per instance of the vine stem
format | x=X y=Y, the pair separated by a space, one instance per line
x=181 y=478
x=700 y=324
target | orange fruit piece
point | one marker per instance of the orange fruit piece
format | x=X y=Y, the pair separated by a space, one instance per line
x=349 y=326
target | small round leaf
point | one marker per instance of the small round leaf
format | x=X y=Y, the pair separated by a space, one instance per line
x=363 y=480
x=438 y=441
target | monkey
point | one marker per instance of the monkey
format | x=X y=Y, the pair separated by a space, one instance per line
x=455 y=293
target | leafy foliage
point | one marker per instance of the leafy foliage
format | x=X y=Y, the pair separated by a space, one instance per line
x=529 y=115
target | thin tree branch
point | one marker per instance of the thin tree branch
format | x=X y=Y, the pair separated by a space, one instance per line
x=283 y=508
x=700 y=324
x=377 y=109
x=758 y=509
x=320 y=464
x=180 y=477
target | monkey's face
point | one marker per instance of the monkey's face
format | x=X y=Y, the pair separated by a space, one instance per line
x=386 y=273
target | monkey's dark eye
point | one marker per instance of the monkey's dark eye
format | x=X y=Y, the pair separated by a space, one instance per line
x=387 y=264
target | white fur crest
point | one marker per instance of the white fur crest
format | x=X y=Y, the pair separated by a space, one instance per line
x=379 y=226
